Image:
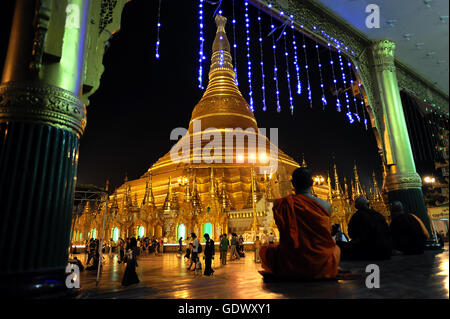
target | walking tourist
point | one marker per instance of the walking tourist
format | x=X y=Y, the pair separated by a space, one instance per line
x=208 y=255
x=233 y=249
x=223 y=247
x=195 y=250
x=257 y=248
x=188 y=248
x=180 y=245
x=130 y=277
x=306 y=249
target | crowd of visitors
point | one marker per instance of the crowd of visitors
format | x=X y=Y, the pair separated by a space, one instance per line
x=308 y=247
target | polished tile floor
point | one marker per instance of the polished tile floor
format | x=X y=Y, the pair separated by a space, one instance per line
x=165 y=276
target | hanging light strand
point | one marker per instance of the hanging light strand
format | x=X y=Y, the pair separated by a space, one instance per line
x=158 y=27
x=296 y=64
x=355 y=103
x=234 y=48
x=323 y=98
x=307 y=72
x=202 y=40
x=263 y=87
x=338 y=102
x=344 y=82
x=275 y=68
x=249 y=62
x=363 y=106
x=288 y=76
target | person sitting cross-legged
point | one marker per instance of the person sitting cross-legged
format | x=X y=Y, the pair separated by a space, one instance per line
x=369 y=234
x=408 y=232
x=306 y=249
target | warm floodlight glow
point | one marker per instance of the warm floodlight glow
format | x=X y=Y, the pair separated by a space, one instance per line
x=429 y=180
x=263 y=157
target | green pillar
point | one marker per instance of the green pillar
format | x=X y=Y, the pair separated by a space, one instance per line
x=402 y=181
x=42 y=118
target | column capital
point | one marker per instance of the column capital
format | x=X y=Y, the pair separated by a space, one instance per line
x=383 y=55
x=37 y=102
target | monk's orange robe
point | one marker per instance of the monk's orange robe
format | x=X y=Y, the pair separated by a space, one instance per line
x=306 y=249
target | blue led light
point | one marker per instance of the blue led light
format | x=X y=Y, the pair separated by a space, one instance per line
x=296 y=64
x=275 y=69
x=263 y=87
x=288 y=76
x=249 y=66
x=202 y=40
x=338 y=102
x=344 y=81
x=323 y=98
x=307 y=72
x=234 y=48
x=356 y=114
x=158 y=26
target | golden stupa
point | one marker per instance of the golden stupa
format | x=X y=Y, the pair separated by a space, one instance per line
x=209 y=183
x=193 y=192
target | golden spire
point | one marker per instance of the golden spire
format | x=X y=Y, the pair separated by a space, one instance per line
x=336 y=182
x=376 y=193
x=170 y=203
x=358 y=189
x=330 y=192
x=149 y=199
x=222 y=105
x=303 y=161
x=345 y=188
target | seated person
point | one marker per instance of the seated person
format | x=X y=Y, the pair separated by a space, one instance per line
x=306 y=249
x=369 y=234
x=408 y=232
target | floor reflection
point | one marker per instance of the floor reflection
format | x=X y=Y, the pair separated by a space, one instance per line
x=166 y=276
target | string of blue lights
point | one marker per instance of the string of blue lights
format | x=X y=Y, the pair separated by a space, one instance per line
x=344 y=82
x=234 y=47
x=323 y=98
x=307 y=72
x=249 y=62
x=263 y=87
x=296 y=63
x=275 y=68
x=202 y=40
x=288 y=76
x=158 y=27
x=355 y=104
x=338 y=101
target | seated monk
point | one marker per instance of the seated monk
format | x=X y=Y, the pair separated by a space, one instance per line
x=369 y=234
x=408 y=232
x=306 y=249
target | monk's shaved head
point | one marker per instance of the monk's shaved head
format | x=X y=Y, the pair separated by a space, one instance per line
x=361 y=203
x=396 y=207
x=302 y=179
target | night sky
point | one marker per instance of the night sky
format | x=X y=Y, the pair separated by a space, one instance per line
x=141 y=99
